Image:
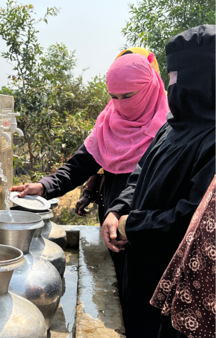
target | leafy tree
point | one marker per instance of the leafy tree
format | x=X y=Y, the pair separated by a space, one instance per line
x=32 y=81
x=78 y=106
x=96 y=96
x=154 y=22
x=75 y=96
x=6 y=91
x=17 y=28
x=57 y=111
x=57 y=65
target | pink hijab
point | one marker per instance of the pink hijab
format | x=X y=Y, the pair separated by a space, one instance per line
x=125 y=128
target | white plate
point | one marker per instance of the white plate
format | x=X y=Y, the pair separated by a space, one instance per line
x=30 y=202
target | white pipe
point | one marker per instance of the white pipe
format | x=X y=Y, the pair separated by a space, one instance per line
x=19 y=131
x=13 y=125
x=5 y=135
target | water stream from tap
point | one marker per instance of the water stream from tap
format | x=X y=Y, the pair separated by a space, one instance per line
x=7 y=193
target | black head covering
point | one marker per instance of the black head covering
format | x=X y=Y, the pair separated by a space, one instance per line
x=192 y=98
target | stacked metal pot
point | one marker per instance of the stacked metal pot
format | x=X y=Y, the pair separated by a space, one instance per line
x=31 y=268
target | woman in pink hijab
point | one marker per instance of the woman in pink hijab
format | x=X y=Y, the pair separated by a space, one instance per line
x=138 y=108
x=121 y=135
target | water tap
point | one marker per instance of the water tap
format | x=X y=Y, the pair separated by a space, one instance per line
x=2 y=133
x=13 y=124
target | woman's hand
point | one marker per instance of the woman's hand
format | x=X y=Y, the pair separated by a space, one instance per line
x=109 y=232
x=29 y=189
x=81 y=204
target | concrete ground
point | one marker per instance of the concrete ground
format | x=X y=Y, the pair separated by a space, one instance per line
x=90 y=306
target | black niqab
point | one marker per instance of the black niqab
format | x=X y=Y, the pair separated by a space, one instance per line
x=192 y=99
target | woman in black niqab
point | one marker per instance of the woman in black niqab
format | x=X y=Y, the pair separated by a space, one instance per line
x=168 y=184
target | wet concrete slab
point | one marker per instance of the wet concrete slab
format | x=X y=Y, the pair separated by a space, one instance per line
x=98 y=310
x=64 y=324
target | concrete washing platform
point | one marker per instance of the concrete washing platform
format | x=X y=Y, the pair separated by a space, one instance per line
x=90 y=306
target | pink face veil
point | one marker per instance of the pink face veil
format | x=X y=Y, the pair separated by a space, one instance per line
x=125 y=128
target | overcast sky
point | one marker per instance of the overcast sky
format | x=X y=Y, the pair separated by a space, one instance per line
x=91 y=27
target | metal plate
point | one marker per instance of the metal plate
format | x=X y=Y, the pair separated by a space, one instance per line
x=30 y=202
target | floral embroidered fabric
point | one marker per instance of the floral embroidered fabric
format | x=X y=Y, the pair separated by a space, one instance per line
x=186 y=290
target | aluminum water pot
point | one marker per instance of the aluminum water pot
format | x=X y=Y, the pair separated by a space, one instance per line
x=45 y=248
x=48 y=250
x=19 y=318
x=38 y=280
x=53 y=231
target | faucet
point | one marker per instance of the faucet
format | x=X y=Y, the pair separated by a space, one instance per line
x=19 y=131
x=13 y=124
x=2 y=133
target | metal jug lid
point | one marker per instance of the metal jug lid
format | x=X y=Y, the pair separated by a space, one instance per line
x=30 y=202
x=53 y=202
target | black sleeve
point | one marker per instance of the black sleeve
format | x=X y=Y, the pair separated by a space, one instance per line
x=92 y=187
x=122 y=204
x=178 y=218
x=75 y=172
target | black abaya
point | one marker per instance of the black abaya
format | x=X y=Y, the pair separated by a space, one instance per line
x=169 y=182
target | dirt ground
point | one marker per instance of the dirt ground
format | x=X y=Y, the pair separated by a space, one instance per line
x=64 y=213
x=68 y=201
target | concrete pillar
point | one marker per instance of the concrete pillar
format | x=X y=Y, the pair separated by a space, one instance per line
x=6 y=150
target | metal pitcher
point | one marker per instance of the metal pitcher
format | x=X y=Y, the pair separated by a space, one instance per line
x=38 y=280
x=19 y=317
x=53 y=231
